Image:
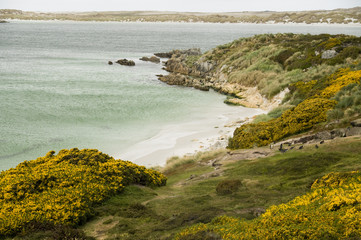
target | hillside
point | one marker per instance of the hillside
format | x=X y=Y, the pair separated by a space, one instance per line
x=299 y=77
x=352 y=15
x=220 y=188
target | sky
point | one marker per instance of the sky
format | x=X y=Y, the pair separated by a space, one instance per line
x=178 y=5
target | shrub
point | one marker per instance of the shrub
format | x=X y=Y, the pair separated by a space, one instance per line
x=63 y=188
x=297 y=119
x=282 y=57
x=330 y=211
x=302 y=117
x=226 y=187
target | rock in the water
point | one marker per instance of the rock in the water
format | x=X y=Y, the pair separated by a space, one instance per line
x=110 y=62
x=126 y=62
x=153 y=59
x=189 y=52
x=328 y=54
x=164 y=55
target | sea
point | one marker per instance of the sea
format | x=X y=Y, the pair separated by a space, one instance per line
x=57 y=90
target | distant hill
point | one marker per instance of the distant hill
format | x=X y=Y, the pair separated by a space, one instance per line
x=351 y=15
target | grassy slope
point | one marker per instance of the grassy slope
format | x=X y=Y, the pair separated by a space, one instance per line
x=335 y=16
x=145 y=213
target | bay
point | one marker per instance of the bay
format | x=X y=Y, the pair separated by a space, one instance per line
x=57 y=90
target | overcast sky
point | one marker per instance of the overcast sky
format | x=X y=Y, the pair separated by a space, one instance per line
x=178 y=5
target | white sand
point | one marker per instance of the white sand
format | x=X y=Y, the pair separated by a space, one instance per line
x=210 y=132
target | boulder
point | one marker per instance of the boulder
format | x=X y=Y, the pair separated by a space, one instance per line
x=328 y=54
x=356 y=123
x=110 y=62
x=201 y=87
x=164 y=55
x=325 y=135
x=153 y=59
x=189 y=52
x=126 y=62
x=340 y=132
x=354 y=131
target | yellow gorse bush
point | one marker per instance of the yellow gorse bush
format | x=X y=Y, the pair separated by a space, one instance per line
x=63 y=188
x=302 y=117
x=330 y=211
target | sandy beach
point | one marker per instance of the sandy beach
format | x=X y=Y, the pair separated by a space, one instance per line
x=208 y=133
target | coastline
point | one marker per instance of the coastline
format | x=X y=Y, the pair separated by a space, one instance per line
x=353 y=24
x=209 y=133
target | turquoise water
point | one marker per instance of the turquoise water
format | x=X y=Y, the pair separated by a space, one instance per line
x=57 y=90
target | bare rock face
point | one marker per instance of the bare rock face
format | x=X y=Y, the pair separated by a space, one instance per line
x=126 y=62
x=328 y=54
x=153 y=59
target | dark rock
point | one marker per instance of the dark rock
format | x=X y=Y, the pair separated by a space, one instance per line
x=305 y=139
x=356 y=123
x=201 y=87
x=322 y=142
x=164 y=55
x=126 y=62
x=300 y=147
x=110 y=62
x=153 y=59
x=3 y=21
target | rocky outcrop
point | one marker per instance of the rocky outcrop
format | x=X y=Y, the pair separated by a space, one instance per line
x=322 y=136
x=328 y=54
x=189 y=68
x=153 y=59
x=189 y=52
x=126 y=62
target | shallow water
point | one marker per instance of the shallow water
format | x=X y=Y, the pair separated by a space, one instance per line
x=57 y=90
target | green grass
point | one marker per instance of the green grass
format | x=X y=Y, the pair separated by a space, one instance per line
x=145 y=213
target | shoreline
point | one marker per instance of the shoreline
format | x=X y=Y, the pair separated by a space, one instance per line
x=185 y=22
x=190 y=137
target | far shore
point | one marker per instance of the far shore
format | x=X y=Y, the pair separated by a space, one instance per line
x=188 y=22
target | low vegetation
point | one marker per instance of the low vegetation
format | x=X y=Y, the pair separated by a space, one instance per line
x=344 y=16
x=304 y=116
x=272 y=62
x=330 y=211
x=196 y=193
x=63 y=189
